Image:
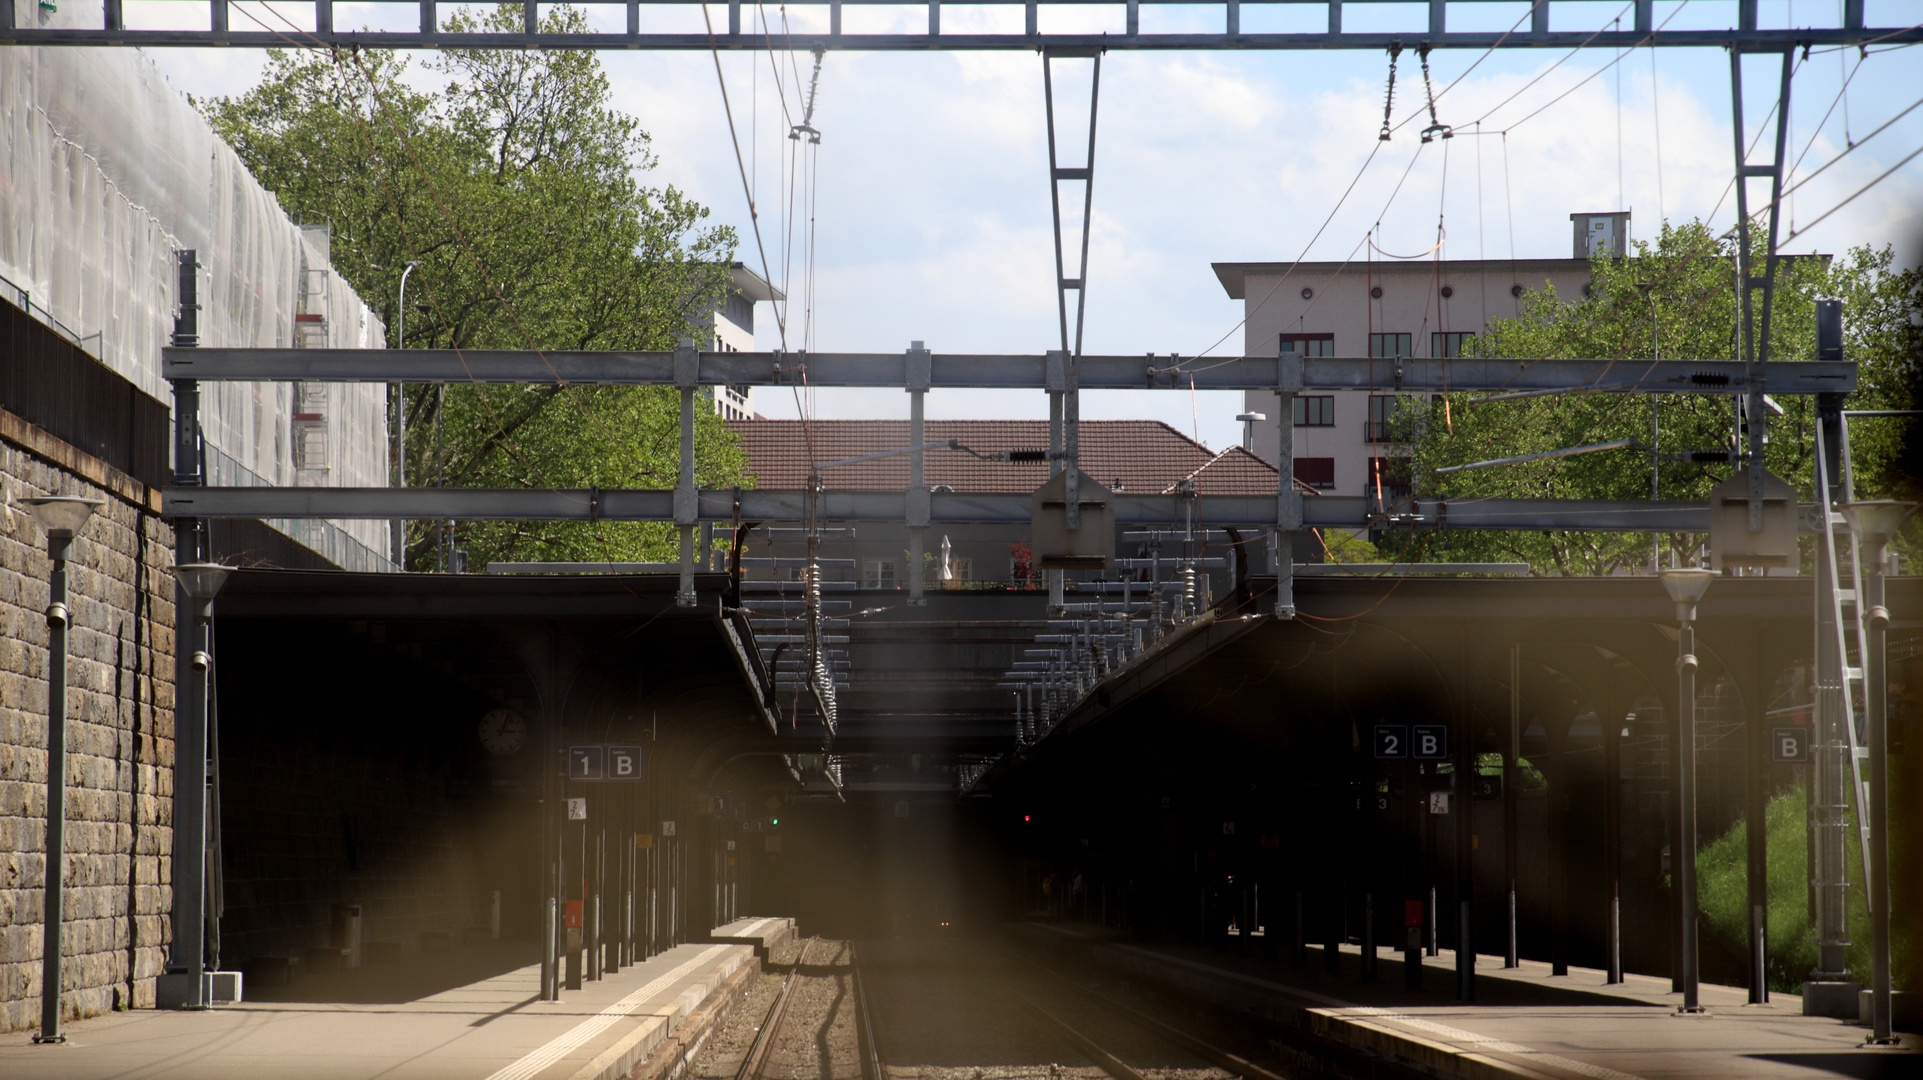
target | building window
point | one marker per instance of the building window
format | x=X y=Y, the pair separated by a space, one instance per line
x=1316 y=411
x=877 y=573
x=1393 y=475
x=1386 y=423
x=1448 y=346
x=1317 y=472
x=1386 y=345
x=1309 y=345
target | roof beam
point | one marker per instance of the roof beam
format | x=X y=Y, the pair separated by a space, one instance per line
x=1250 y=511
x=998 y=371
x=1125 y=35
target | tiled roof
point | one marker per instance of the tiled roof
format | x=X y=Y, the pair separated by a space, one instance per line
x=1143 y=456
x=1235 y=471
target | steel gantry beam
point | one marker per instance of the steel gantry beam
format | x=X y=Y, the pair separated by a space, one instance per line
x=1559 y=24
x=945 y=508
x=1002 y=371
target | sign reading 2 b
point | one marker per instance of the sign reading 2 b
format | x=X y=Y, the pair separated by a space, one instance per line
x=1424 y=742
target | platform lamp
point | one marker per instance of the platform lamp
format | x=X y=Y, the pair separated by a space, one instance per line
x=201 y=582
x=61 y=517
x=1874 y=523
x=1686 y=586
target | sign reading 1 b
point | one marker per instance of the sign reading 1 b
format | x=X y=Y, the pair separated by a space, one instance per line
x=605 y=761
x=1424 y=742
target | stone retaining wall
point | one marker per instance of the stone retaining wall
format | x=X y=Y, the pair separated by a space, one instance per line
x=120 y=733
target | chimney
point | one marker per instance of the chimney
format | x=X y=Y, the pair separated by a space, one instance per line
x=1601 y=234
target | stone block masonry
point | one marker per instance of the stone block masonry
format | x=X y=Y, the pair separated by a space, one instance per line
x=120 y=733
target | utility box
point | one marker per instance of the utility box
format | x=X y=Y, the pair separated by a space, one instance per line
x=346 y=932
x=1601 y=234
x=1056 y=546
x=222 y=987
x=1731 y=544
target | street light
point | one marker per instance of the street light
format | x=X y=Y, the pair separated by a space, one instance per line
x=1655 y=424
x=1249 y=420
x=1874 y=523
x=400 y=417
x=201 y=582
x=1686 y=586
x=62 y=517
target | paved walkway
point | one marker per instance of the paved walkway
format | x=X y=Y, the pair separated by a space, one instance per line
x=367 y=1025
x=1528 y=1024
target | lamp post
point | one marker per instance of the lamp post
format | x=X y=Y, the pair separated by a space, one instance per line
x=1655 y=424
x=201 y=582
x=1249 y=420
x=1874 y=523
x=1685 y=587
x=400 y=418
x=62 y=517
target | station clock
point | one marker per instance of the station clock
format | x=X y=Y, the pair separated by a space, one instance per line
x=503 y=731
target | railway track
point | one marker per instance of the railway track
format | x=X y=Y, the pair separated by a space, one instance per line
x=952 y=1010
x=808 y=1030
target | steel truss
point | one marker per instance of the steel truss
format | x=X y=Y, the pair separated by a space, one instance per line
x=920 y=369
x=314 y=25
x=718 y=505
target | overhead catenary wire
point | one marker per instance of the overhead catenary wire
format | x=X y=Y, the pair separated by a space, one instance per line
x=1911 y=156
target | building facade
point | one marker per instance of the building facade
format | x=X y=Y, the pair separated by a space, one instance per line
x=1385 y=309
x=732 y=327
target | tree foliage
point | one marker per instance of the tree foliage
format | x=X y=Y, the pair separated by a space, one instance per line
x=513 y=182
x=1690 y=311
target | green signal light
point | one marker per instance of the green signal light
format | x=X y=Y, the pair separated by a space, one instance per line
x=774 y=821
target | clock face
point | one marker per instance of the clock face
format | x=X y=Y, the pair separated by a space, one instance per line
x=503 y=731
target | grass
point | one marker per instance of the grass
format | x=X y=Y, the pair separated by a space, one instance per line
x=1722 y=895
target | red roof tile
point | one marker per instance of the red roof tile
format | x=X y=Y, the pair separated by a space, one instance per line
x=1143 y=456
x=1235 y=471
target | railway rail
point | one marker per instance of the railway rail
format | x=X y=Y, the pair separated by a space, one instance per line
x=949 y=1009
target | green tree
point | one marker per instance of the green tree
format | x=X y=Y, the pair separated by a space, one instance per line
x=1691 y=305
x=514 y=186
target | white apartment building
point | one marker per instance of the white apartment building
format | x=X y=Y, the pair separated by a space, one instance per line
x=733 y=326
x=1382 y=308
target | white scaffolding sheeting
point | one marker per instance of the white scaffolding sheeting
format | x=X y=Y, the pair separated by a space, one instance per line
x=105 y=172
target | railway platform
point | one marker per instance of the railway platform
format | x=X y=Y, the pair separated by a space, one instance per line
x=1526 y=1023
x=471 y=1014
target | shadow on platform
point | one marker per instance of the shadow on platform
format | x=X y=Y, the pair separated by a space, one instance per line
x=1857 y=1065
x=413 y=976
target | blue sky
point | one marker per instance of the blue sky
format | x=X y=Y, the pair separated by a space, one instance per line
x=931 y=206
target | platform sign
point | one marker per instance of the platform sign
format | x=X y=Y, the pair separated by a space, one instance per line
x=1788 y=744
x=606 y=761
x=577 y=809
x=1487 y=787
x=667 y=828
x=588 y=762
x=625 y=762
x=1391 y=741
x=1429 y=742
x=1438 y=802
